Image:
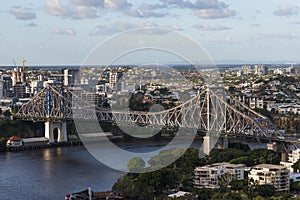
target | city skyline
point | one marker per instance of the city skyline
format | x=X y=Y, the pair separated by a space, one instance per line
x=65 y=31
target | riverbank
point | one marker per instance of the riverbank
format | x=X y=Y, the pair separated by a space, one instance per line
x=127 y=143
x=40 y=146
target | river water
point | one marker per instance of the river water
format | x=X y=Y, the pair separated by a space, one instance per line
x=52 y=173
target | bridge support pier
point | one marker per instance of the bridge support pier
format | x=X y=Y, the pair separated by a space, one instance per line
x=223 y=143
x=211 y=141
x=279 y=148
x=56 y=131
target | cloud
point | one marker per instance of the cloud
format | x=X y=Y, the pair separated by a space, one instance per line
x=207 y=27
x=23 y=14
x=118 y=27
x=89 y=9
x=116 y=4
x=143 y=14
x=112 y=29
x=174 y=27
x=199 y=4
x=92 y=3
x=286 y=10
x=275 y=36
x=75 y=10
x=66 y=31
x=145 y=6
x=214 y=13
x=206 y=9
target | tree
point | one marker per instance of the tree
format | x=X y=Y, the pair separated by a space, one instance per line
x=225 y=155
x=239 y=146
x=135 y=164
x=259 y=156
x=224 y=180
x=265 y=190
x=232 y=196
x=217 y=196
x=258 y=198
x=238 y=184
x=240 y=160
x=296 y=166
x=204 y=194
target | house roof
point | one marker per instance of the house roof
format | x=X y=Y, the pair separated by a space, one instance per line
x=15 y=138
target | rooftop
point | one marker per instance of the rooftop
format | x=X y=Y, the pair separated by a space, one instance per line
x=269 y=166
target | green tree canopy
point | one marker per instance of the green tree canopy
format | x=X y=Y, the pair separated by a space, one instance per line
x=135 y=164
x=265 y=190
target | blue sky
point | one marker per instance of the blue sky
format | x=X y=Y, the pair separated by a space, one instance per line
x=65 y=31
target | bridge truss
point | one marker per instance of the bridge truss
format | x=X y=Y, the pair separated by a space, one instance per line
x=212 y=111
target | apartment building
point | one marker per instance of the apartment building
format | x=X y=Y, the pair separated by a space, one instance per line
x=276 y=175
x=208 y=176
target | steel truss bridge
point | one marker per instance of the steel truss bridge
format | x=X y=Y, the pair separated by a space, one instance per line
x=213 y=111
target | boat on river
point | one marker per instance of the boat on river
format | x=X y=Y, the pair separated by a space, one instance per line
x=88 y=194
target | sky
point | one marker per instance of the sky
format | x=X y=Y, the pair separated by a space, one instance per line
x=61 y=32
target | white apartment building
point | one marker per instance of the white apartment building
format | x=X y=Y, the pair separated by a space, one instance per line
x=208 y=176
x=276 y=175
x=294 y=156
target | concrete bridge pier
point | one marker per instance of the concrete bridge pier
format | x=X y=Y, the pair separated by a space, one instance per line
x=223 y=143
x=211 y=141
x=56 y=131
x=279 y=148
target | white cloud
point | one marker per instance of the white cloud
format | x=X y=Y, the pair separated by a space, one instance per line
x=116 y=4
x=143 y=14
x=207 y=27
x=199 y=4
x=75 y=11
x=54 y=7
x=112 y=29
x=207 y=9
x=145 y=6
x=23 y=14
x=125 y=26
x=214 y=13
x=286 y=10
x=93 y=3
x=66 y=31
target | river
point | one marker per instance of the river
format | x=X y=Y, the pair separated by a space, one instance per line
x=52 y=173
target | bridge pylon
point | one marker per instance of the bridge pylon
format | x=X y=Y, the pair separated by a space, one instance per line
x=280 y=147
x=56 y=131
x=211 y=141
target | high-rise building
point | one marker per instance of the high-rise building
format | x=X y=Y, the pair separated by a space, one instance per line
x=21 y=90
x=114 y=80
x=246 y=70
x=18 y=76
x=1 y=87
x=7 y=86
x=260 y=70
